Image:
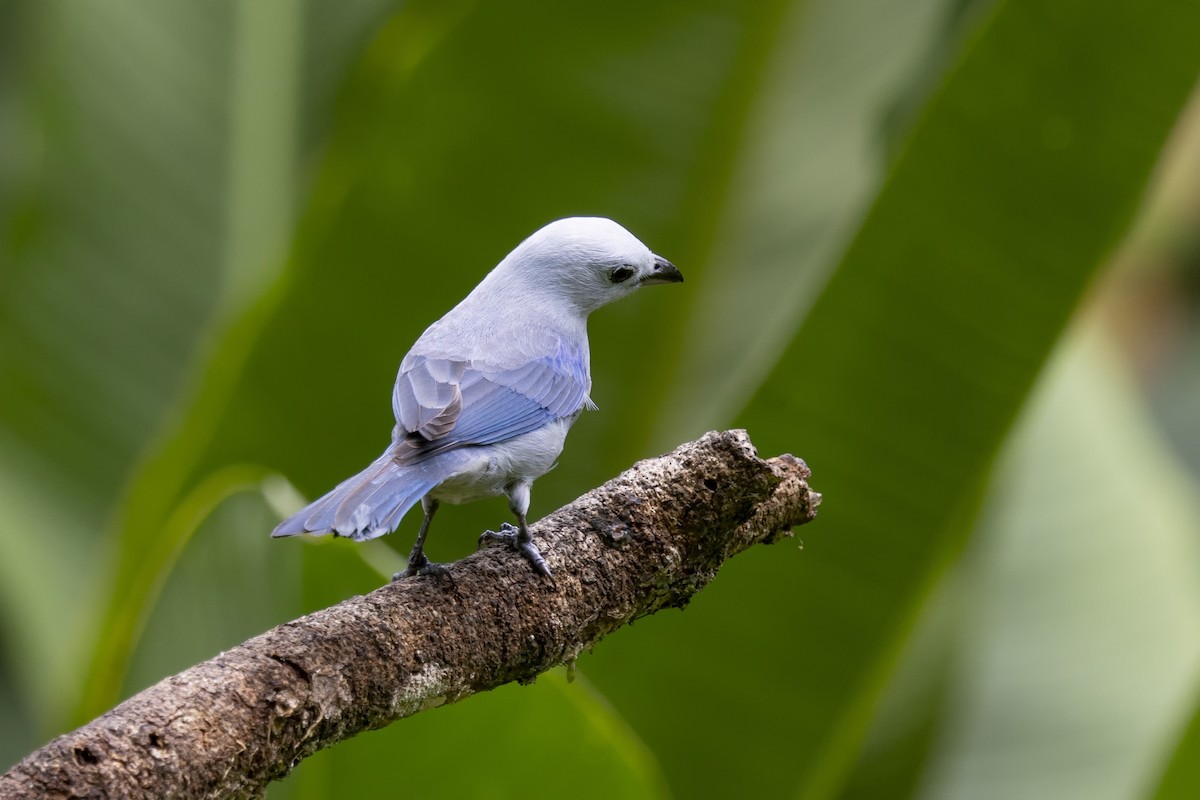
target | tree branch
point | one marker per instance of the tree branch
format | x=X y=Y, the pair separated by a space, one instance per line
x=646 y=540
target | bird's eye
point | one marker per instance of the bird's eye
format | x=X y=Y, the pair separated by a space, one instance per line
x=621 y=274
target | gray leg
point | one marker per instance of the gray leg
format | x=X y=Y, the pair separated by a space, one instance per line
x=518 y=538
x=418 y=562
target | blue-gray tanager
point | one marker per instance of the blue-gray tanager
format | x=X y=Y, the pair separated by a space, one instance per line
x=485 y=397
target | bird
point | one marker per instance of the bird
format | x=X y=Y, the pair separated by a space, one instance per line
x=485 y=397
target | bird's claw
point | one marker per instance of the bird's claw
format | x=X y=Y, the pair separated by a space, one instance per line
x=534 y=557
x=507 y=534
x=510 y=535
x=424 y=567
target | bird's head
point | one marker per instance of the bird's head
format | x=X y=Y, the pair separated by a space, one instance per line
x=589 y=261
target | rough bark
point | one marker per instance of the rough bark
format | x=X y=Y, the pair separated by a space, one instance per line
x=646 y=540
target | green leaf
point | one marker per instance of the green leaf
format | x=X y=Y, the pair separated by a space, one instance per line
x=908 y=372
x=811 y=154
x=261 y=166
x=228 y=586
x=137 y=195
x=1182 y=774
x=1078 y=605
x=108 y=236
x=904 y=379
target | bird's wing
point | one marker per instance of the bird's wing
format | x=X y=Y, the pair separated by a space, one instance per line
x=442 y=404
x=427 y=398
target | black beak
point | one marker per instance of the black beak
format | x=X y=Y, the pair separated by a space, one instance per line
x=664 y=272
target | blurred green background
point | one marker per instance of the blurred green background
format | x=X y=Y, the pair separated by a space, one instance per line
x=945 y=251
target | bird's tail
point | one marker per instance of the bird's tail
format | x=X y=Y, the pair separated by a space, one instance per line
x=367 y=505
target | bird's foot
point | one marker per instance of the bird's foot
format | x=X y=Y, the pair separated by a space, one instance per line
x=423 y=566
x=510 y=535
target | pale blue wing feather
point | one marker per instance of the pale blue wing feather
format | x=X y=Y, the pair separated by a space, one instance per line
x=427 y=396
x=443 y=404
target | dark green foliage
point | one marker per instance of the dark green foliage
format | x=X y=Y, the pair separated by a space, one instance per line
x=888 y=213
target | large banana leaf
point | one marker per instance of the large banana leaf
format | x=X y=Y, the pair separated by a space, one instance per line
x=141 y=172
x=905 y=377
x=1077 y=608
x=109 y=234
x=744 y=141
